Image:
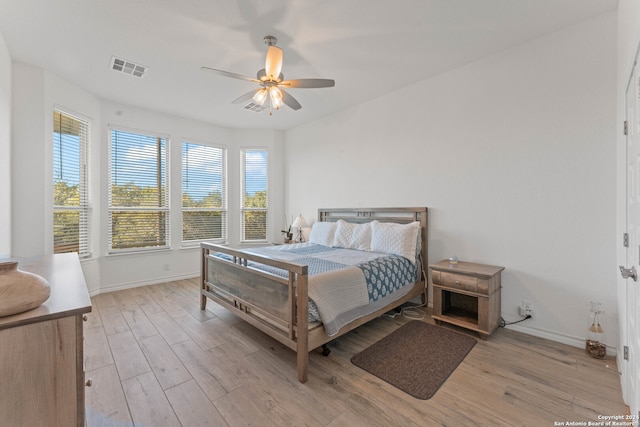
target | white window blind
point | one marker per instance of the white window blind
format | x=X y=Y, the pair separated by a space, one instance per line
x=204 y=195
x=70 y=192
x=254 y=195
x=138 y=195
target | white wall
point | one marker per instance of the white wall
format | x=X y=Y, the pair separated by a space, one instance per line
x=515 y=157
x=28 y=162
x=5 y=150
x=627 y=45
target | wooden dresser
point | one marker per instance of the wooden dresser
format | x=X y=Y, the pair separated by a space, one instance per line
x=41 y=350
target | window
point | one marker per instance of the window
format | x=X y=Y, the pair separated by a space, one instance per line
x=254 y=195
x=204 y=198
x=138 y=197
x=70 y=193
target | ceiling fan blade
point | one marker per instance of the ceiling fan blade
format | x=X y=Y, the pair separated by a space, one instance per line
x=244 y=98
x=273 y=63
x=307 y=83
x=228 y=74
x=290 y=100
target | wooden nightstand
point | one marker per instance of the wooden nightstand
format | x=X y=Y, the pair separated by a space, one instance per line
x=467 y=295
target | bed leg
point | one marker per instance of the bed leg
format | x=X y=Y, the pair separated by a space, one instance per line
x=325 y=350
x=203 y=277
x=302 y=335
x=303 y=366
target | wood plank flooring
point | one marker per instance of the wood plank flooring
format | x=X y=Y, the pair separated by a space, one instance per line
x=155 y=359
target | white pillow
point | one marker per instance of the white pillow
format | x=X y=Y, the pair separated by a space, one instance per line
x=398 y=239
x=353 y=236
x=322 y=233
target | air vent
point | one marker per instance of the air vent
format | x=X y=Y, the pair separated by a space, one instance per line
x=127 y=67
x=252 y=106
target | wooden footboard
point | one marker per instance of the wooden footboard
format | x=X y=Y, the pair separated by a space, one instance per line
x=277 y=305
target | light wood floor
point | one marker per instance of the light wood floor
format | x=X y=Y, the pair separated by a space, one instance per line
x=156 y=360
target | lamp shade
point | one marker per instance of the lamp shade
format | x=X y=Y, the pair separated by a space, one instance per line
x=260 y=96
x=299 y=222
x=275 y=97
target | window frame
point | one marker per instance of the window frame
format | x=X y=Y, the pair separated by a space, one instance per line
x=225 y=196
x=83 y=208
x=243 y=184
x=166 y=209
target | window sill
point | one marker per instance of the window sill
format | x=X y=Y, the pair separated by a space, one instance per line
x=138 y=253
x=194 y=247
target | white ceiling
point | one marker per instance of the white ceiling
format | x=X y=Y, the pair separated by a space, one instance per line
x=369 y=47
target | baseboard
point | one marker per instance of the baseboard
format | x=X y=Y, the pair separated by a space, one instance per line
x=625 y=394
x=131 y=285
x=557 y=337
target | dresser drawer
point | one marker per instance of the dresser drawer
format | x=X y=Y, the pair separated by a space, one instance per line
x=459 y=281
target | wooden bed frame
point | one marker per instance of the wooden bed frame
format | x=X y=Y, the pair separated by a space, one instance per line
x=279 y=306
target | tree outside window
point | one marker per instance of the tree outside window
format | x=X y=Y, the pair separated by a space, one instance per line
x=70 y=189
x=254 y=195
x=138 y=195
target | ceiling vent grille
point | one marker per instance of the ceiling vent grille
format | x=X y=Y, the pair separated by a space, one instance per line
x=252 y=106
x=127 y=67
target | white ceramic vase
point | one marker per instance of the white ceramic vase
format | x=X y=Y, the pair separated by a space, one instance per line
x=20 y=291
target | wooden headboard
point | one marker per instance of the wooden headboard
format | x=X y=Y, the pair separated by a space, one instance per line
x=398 y=215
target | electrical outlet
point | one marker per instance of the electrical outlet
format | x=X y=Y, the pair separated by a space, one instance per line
x=596 y=307
x=526 y=308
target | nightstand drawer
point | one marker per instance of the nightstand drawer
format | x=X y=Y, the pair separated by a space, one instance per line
x=435 y=277
x=459 y=281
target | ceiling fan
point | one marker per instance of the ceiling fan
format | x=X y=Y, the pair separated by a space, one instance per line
x=272 y=83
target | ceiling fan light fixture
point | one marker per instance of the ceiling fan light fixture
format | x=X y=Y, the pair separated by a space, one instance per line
x=270 y=79
x=260 y=96
x=276 y=97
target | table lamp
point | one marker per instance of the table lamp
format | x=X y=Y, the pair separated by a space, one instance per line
x=299 y=223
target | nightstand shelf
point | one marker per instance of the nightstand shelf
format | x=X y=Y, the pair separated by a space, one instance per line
x=467 y=295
